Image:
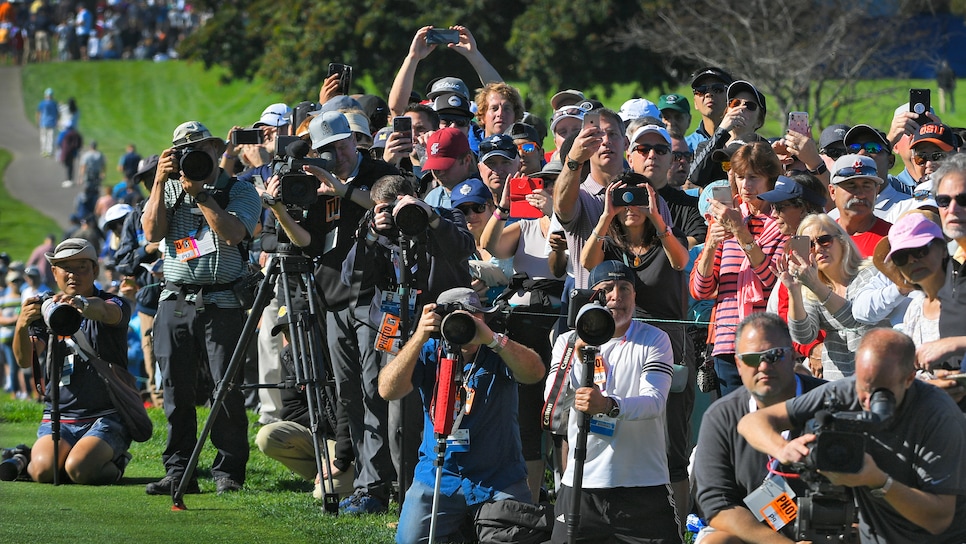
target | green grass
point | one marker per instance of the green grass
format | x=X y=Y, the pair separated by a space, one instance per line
x=21 y=228
x=274 y=503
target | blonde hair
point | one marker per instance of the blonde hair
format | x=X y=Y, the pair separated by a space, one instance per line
x=506 y=91
x=852 y=260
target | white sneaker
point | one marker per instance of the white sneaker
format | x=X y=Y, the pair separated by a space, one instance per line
x=67 y=184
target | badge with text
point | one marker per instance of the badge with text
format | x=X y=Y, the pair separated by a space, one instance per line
x=773 y=502
x=459 y=441
x=603 y=425
x=387 y=338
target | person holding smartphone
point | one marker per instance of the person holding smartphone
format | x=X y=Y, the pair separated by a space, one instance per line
x=743 y=116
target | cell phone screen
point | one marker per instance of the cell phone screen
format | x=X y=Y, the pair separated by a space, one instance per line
x=442 y=35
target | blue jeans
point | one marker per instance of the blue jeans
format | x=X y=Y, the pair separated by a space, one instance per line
x=109 y=428
x=453 y=513
x=728 y=377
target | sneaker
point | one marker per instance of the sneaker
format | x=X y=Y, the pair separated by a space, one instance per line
x=227 y=485
x=164 y=486
x=361 y=502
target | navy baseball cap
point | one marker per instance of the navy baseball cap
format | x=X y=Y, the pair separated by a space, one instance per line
x=786 y=189
x=610 y=270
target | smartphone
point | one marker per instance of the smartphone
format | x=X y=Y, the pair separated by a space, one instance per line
x=798 y=121
x=345 y=75
x=799 y=244
x=631 y=196
x=519 y=189
x=591 y=118
x=246 y=136
x=722 y=193
x=442 y=35
x=919 y=103
x=403 y=124
x=961 y=377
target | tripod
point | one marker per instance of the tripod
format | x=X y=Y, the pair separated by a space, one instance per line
x=305 y=341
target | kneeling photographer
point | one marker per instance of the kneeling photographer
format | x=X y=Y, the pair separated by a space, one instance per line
x=902 y=437
x=93 y=437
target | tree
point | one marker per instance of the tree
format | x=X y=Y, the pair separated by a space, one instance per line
x=805 y=56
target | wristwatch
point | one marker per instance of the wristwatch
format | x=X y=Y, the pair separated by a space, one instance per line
x=201 y=197
x=822 y=168
x=880 y=492
x=572 y=164
x=749 y=246
x=83 y=302
x=615 y=409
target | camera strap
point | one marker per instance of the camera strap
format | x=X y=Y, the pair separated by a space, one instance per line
x=551 y=411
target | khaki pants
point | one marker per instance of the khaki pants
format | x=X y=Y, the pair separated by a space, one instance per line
x=291 y=444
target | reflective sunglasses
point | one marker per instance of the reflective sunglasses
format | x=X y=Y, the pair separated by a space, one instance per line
x=454 y=122
x=834 y=152
x=682 y=156
x=863 y=170
x=750 y=104
x=824 y=240
x=770 y=356
x=527 y=148
x=716 y=88
x=943 y=201
x=645 y=149
x=902 y=256
x=922 y=158
x=872 y=148
x=474 y=208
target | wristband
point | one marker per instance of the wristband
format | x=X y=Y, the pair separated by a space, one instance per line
x=503 y=209
x=665 y=234
x=822 y=168
x=348 y=192
x=498 y=343
x=499 y=214
x=827 y=297
x=229 y=157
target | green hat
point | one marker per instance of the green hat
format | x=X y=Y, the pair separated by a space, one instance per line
x=674 y=102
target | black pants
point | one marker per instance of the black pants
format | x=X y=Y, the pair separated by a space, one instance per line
x=619 y=514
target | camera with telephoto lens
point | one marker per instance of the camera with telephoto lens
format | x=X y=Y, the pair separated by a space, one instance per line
x=195 y=164
x=297 y=188
x=590 y=317
x=458 y=327
x=60 y=317
x=15 y=461
x=411 y=219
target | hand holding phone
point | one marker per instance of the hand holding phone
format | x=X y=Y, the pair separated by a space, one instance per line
x=345 y=75
x=798 y=122
x=919 y=103
x=722 y=193
x=436 y=36
x=519 y=189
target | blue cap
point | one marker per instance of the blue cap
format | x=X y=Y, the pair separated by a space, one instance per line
x=610 y=270
x=786 y=189
x=471 y=190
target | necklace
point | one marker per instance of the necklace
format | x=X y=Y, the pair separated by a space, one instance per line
x=637 y=256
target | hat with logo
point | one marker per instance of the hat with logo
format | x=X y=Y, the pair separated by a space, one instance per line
x=192 y=132
x=498 y=144
x=711 y=72
x=744 y=86
x=911 y=231
x=448 y=85
x=636 y=108
x=652 y=129
x=471 y=190
x=866 y=133
x=276 y=115
x=327 y=128
x=831 y=135
x=377 y=110
x=523 y=131
x=381 y=138
x=935 y=133
x=452 y=104
x=444 y=147
x=674 y=102
x=32 y=272
x=463 y=296
x=849 y=167
x=786 y=189
x=566 y=98
x=72 y=248
x=610 y=271
x=725 y=153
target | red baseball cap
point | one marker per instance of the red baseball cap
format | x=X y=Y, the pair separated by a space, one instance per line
x=443 y=147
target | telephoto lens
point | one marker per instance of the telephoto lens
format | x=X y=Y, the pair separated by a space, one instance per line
x=458 y=328
x=595 y=324
x=62 y=318
x=14 y=463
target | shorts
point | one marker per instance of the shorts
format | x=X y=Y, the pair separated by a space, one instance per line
x=108 y=428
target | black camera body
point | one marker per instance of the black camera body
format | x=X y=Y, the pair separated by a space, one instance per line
x=631 y=196
x=195 y=164
x=15 y=461
x=297 y=189
x=840 y=436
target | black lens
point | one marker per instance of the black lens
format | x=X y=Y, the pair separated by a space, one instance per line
x=197 y=165
x=62 y=318
x=595 y=324
x=411 y=219
x=458 y=328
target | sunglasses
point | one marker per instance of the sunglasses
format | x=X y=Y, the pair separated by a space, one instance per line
x=850 y=171
x=834 y=153
x=682 y=156
x=502 y=144
x=872 y=148
x=770 y=356
x=527 y=148
x=645 y=149
x=922 y=159
x=824 y=240
x=902 y=256
x=780 y=206
x=716 y=88
x=750 y=104
x=943 y=201
x=472 y=208
x=454 y=122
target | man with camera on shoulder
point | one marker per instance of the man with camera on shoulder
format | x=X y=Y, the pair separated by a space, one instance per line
x=483 y=460
x=203 y=215
x=910 y=482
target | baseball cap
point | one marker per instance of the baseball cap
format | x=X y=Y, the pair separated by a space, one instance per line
x=464 y=296
x=674 y=102
x=866 y=133
x=744 y=86
x=636 y=108
x=191 y=132
x=573 y=111
x=377 y=110
x=912 y=230
x=523 y=131
x=444 y=147
x=550 y=170
x=711 y=71
x=15 y=275
x=566 y=98
x=341 y=102
x=145 y=166
x=652 y=129
x=358 y=122
x=832 y=134
x=849 y=167
x=381 y=138
x=472 y=191
x=448 y=85
x=31 y=271
x=936 y=133
x=116 y=212
x=452 y=104
x=610 y=270
x=276 y=115
x=725 y=153
x=72 y=248
x=329 y=127
x=498 y=144
x=786 y=189
x=48 y=92
x=284 y=318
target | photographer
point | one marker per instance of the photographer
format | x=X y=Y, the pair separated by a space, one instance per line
x=489 y=465
x=94 y=440
x=912 y=482
x=625 y=489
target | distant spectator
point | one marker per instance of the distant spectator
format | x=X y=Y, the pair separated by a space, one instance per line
x=47 y=122
x=38 y=260
x=946 y=81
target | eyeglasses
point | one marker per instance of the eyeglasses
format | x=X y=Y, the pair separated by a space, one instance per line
x=901 y=257
x=871 y=148
x=498 y=143
x=824 y=240
x=922 y=158
x=76 y=269
x=645 y=149
x=472 y=208
x=682 y=156
x=779 y=207
x=454 y=122
x=716 y=88
x=770 y=356
x=527 y=148
x=943 y=201
x=750 y=104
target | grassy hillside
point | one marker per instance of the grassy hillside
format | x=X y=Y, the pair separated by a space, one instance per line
x=23 y=228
